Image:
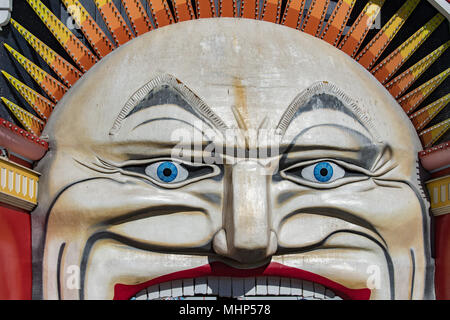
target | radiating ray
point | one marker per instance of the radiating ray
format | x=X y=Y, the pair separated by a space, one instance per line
x=401 y=83
x=387 y=68
x=422 y=117
x=114 y=21
x=93 y=33
x=292 y=16
x=337 y=22
x=183 y=10
x=54 y=89
x=227 y=8
x=358 y=31
x=82 y=56
x=315 y=17
x=431 y=135
x=30 y=122
x=206 y=8
x=137 y=16
x=413 y=99
x=39 y=103
x=271 y=10
x=161 y=13
x=249 y=9
x=370 y=54
x=66 y=71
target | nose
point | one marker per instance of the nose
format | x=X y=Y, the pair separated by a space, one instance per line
x=246 y=235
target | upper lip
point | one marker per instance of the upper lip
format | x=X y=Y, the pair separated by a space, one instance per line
x=220 y=269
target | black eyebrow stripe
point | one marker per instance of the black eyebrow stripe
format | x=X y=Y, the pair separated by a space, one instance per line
x=326 y=89
x=192 y=103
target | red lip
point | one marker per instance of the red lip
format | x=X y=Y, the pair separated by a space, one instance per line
x=125 y=292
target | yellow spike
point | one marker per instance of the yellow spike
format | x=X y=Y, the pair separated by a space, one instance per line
x=422 y=117
x=82 y=56
x=370 y=54
x=431 y=135
x=40 y=104
x=401 y=83
x=31 y=123
x=389 y=66
x=413 y=99
x=66 y=71
x=93 y=33
x=54 y=89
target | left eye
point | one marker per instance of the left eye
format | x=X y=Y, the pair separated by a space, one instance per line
x=167 y=172
x=323 y=172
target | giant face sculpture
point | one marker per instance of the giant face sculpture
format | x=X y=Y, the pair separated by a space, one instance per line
x=339 y=205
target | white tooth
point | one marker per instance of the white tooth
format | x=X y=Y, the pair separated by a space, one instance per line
x=238 y=287
x=142 y=295
x=308 y=289
x=319 y=291
x=261 y=286
x=249 y=286
x=177 y=288
x=296 y=287
x=200 y=285
x=153 y=292
x=188 y=287
x=165 y=289
x=285 y=286
x=225 y=286
x=329 y=294
x=200 y=298
x=273 y=286
x=213 y=286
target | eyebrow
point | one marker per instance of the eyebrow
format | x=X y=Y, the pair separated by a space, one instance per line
x=166 y=89
x=324 y=95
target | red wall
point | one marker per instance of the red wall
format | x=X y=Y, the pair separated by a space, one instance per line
x=442 y=279
x=15 y=254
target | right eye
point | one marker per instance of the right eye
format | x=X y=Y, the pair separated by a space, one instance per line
x=167 y=172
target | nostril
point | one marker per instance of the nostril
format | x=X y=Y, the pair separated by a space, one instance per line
x=220 y=243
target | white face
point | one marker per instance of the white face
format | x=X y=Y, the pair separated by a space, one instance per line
x=335 y=204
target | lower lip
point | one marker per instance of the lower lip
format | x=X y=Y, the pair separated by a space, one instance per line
x=219 y=269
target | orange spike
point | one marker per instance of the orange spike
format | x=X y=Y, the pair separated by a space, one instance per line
x=82 y=56
x=271 y=11
x=66 y=71
x=249 y=9
x=431 y=135
x=138 y=16
x=183 y=10
x=422 y=117
x=227 y=8
x=39 y=103
x=161 y=13
x=54 y=89
x=31 y=123
x=412 y=100
x=293 y=13
x=358 y=31
x=315 y=17
x=206 y=8
x=370 y=54
x=93 y=33
x=337 y=22
x=401 y=83
x=389 y=66
x=114 y=21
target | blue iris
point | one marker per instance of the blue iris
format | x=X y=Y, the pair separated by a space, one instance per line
x=167 y=171
x=323 y=172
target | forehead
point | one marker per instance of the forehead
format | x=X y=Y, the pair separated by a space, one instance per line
x=254 y=67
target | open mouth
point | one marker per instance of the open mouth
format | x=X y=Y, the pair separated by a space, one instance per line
x=219 y=281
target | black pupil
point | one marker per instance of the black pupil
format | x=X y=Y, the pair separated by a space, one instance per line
x=167 y=172
x=324 y=172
